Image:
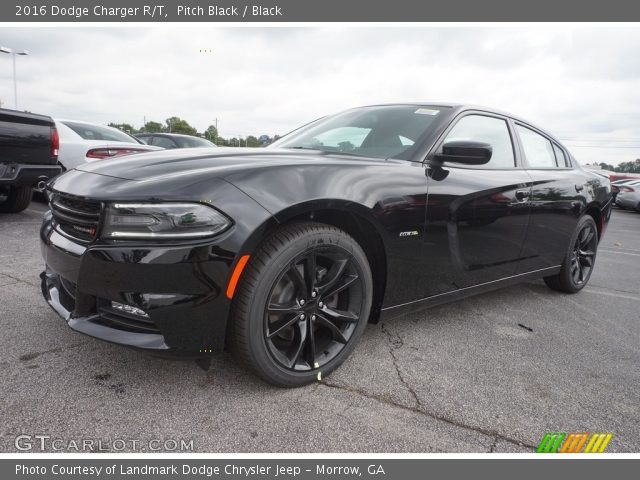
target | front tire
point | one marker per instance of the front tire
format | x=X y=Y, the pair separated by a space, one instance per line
x=17 y=199
x=580 y=259
x=302 y=304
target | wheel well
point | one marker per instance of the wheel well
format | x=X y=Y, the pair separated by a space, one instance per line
x=596 y=214
x=367 y=237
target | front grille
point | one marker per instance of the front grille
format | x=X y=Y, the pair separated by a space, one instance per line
x=76 y=218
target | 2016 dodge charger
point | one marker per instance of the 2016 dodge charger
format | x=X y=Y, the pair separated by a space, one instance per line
x=286 y=253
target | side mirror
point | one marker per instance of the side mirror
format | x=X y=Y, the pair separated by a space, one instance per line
x=466 y=152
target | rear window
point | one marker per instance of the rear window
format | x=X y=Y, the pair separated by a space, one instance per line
x=193 y=142
x=96 y=132
x=561 y=159
x=537 y=149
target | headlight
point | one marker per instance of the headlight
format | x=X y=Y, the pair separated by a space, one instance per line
x=162 y=221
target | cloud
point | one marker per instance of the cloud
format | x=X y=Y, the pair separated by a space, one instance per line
x=581 y=83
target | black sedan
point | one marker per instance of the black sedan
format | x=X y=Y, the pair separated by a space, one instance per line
x=285 y=254
x=174 y=140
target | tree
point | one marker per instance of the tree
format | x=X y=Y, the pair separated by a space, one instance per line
x=153 y=127
x=606 y=166
x=265 y=139
x=253 y=141
x=177 y=125
x=211 y=133
x=629 y=167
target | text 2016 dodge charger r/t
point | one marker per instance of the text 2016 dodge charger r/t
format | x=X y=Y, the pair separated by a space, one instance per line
x=287 y=252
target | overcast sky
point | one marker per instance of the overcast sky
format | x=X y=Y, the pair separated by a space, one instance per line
x=580 y=83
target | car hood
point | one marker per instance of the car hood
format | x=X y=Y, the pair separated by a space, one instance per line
x=208 y=162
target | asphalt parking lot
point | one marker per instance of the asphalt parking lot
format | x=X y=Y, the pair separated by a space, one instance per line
x=492 y=373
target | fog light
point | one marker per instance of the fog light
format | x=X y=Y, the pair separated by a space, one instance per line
x=129 y=309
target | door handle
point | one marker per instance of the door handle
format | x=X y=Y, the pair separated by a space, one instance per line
x=522 y=195
x=579 y=187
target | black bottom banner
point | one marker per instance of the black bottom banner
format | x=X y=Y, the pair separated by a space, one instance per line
x=318 y=468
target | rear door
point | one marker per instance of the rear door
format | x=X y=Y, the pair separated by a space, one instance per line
x=476 y=216
x=558 y=198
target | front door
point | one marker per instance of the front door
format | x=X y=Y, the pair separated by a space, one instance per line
x=476 y=217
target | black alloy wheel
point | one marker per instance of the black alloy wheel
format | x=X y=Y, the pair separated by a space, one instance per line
x=578 y=264
x=302 y=303
x=583 y=255
x=313 y=309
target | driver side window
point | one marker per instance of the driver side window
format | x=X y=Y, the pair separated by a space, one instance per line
x=494 y=131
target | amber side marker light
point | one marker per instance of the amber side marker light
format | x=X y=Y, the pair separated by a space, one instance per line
x=235 y=276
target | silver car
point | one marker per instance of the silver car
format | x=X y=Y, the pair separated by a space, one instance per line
x=629 y=195
x=83 y=142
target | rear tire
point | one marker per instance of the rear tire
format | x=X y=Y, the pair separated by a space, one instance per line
x=302 y=303
x=17 y=199
x=579 y=261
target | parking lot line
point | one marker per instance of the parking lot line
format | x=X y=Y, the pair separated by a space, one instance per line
x=619 y=253
x=613 y=294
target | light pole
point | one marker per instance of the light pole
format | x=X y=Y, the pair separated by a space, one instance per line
x=15 y=83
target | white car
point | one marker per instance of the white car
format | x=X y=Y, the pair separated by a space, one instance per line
x=82 y=142
x=629 y=195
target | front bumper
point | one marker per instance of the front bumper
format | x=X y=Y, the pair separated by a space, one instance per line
x=180 y=287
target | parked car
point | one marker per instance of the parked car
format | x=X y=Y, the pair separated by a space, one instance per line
x=629 y=195
x=84 y=142
x=174 y=140
x=615 y=186
x=287 y=252
x=28 y=157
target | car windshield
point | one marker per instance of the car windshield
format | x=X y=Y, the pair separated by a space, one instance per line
x=97 y=132
x=381 y=132
x=193 y=142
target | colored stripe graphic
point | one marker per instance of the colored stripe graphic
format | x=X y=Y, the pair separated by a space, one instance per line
x=581 y=443
x=598 y=443
x=551 y=442
x=560 y=442
x=569 y=443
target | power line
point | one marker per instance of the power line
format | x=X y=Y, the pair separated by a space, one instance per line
x=636 y=147
x=600 y=139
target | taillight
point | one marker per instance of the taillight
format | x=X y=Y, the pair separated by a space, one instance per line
x=55 y=143
x=101 y=153
x=627 y=189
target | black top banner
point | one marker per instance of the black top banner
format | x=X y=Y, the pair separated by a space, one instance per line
x=319 y=11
